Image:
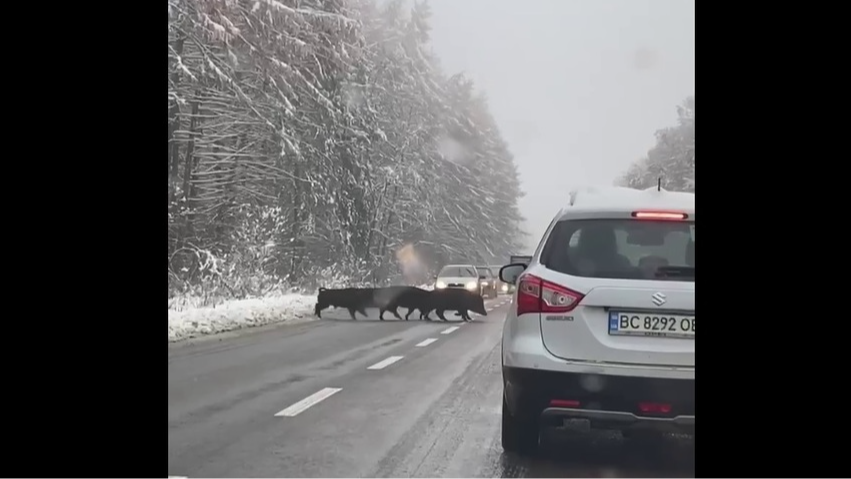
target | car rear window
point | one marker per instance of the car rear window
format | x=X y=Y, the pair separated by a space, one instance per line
x=458 y=272
x=622 y=249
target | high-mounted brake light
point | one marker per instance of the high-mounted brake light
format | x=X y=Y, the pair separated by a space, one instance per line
x=659 y=215
x=535 y=295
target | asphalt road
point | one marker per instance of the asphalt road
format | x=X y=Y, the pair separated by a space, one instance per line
x=366 y=398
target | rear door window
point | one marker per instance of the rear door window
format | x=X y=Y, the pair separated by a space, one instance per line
x=622 y=249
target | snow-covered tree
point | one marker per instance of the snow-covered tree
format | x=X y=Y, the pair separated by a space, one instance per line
x=315 y=139
x=672 y=158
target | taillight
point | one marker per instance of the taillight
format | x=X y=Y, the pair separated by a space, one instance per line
x=535 y=295
x=659 y=215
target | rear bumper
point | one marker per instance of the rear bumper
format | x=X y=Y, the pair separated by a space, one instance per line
x=621 y=420
x=523 y=348
x=607 y=402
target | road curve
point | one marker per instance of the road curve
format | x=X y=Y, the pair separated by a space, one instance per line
x=370 y=398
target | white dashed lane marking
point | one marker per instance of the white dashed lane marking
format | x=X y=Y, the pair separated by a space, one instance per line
x=449 y=330
x=387 y=362
x=325 y=393
x=308 y=402
x=497 y=305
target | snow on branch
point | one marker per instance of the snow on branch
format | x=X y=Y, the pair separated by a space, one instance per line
x=324 y=134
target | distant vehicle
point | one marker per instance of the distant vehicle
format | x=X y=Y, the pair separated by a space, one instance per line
x=610 y=290
x=501 y=286
x=487 y=282
x=458 y=276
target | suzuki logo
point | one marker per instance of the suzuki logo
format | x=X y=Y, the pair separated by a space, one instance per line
x=659 y=299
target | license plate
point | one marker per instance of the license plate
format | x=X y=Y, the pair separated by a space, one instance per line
x=651 y=324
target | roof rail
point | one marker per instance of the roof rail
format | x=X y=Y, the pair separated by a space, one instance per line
x=585 y=189
x=573 y=196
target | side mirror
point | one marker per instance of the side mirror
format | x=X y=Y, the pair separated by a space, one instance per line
x=509 y=273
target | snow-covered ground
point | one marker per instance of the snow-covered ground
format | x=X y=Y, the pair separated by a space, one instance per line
x=187 y=319
x=194 y=321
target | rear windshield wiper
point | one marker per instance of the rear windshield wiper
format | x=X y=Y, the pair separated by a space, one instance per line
x=675 y=272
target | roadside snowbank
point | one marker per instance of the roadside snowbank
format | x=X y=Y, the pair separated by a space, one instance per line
x=237 y=314
x=188 y=319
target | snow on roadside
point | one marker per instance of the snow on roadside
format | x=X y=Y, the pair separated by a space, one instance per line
x=237 y=314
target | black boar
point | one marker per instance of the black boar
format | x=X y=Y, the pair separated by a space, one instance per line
x=411 y=298
x=386 y=299
x=353 y=299
x=451 y=299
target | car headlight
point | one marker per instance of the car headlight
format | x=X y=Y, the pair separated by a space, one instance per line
x=505 y=287
x=440 y=285
x=472 y=285
x=484 y=283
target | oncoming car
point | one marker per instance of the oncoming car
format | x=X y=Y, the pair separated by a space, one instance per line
x=602 y=324
x=501 y=286
x=487 y=282
x=458 y=276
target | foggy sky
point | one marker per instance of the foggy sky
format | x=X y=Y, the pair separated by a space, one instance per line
x=578 y=87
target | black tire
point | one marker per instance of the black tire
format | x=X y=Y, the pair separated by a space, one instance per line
x=520 y=432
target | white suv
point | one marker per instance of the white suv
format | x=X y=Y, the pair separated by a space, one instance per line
x=602 y=323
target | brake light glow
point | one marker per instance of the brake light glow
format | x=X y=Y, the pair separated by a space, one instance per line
x=659 y=215
x=564 y=403
x=535 y=295
x=654 y=407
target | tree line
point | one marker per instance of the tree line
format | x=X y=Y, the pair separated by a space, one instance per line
x=313 y=141
x=672 y=158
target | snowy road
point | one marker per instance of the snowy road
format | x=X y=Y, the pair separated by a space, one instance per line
x=339 y=398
